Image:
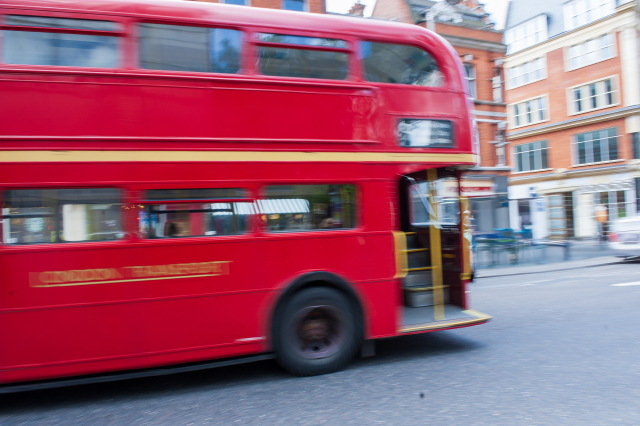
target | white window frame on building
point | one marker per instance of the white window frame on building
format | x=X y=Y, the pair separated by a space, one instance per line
x=526 y=73
x=604 y=149
x=532 y=110
x=598 y=49
x=526 y=153
x=245 y=2
x=581 y=12
x=470 y=76
x=635 y=142
x=526 y=34
x=594 y=95
x=305 y=7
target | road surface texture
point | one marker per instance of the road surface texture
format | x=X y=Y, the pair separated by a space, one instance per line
x=563 y=349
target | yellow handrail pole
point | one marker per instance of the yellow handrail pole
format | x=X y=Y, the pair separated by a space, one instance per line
x=435 y=247
x=400 y=243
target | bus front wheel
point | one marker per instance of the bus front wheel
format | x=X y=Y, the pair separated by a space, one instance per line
x=317 y=332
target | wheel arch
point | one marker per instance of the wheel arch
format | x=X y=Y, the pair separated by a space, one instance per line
x=317 y=279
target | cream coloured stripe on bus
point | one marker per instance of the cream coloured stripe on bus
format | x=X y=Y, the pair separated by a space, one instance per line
x=254 y=156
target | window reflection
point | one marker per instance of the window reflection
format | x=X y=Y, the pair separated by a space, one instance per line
x=400 y=64
x=60 y=49
x=61 y=215
x=192 y=220
x=286 y=62
x=447 y=205
x=185 y=48
x=290 y=208
x=186 y=214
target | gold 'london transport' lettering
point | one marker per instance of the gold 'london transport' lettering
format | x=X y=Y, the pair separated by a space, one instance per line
x=128 y=274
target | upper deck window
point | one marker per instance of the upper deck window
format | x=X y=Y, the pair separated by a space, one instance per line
x=182 y=48
x=303 y=62
x=400 y=64
x=25 y=46
x=302 y=40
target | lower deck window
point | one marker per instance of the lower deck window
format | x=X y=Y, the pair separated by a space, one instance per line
x=290 y=208
x=37 y=216
x=186 y=214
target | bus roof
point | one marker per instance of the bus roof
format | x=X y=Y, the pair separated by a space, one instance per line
x=231 y=14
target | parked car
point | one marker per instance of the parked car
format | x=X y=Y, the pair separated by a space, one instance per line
x=624 y=236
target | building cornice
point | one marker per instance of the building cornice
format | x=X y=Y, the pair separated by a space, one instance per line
x=470 y=43
x=595 y=171
x=575 y=122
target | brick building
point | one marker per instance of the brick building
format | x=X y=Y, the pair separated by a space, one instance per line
x=573 y=95
x=313 y=6
x=467 y=27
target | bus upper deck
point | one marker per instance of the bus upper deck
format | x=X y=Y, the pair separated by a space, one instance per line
x=196 y=76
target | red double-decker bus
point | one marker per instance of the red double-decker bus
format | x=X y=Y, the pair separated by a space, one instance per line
x=183 y=182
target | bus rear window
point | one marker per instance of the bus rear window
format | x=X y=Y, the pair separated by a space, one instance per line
x=289 y=61
x=291 y=208
x=36 y=216
x=183 y=48
x=171 y=213
x=400 y=64
x=24 y=46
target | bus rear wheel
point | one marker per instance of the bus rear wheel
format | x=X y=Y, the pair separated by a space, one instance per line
x=317 y=332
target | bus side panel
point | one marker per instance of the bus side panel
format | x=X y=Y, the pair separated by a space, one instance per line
x=146 y=108
x=44 y=324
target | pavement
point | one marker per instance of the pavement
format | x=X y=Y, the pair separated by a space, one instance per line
x=550 y=256
x=549 y=267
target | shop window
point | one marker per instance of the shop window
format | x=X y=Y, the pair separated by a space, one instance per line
x=170 y=213
x=28 y=47
x=291 y=208
x=37 y=216
x=183 y=48
x=289 y=61
x=400 y=64
x=531 y=156
x=595 y=147
x=560 y=215
x=614 y=202
x=638 y=195
x=524 y=213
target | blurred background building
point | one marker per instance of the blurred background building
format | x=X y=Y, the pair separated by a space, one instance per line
x=573 y=95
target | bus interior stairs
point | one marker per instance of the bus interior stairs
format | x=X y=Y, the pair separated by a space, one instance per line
x=427 y=306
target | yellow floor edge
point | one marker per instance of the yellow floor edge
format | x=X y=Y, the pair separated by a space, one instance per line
x=479 y=317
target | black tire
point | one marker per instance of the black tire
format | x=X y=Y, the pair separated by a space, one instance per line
x=317 y=332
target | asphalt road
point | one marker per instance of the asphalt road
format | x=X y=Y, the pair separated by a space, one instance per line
x=563 y=349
